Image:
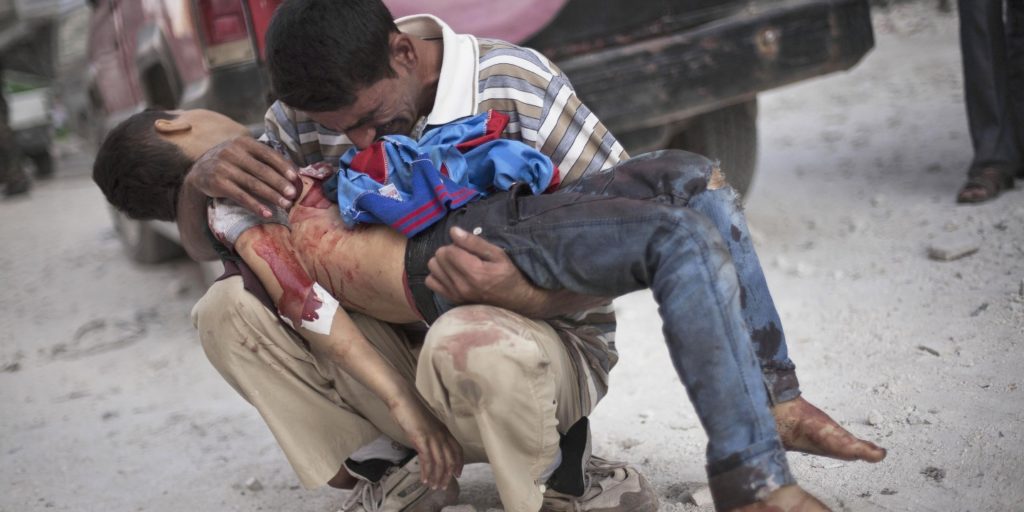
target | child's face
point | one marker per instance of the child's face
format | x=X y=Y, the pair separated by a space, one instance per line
x=198 y=131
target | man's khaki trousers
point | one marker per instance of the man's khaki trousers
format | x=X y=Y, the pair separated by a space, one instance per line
x=503 y=384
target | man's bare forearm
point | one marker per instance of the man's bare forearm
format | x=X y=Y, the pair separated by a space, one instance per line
x=192 y=223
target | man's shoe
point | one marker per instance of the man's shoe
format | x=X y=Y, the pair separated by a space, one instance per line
x=610 y=486
x=985 y=183
x=399 y=489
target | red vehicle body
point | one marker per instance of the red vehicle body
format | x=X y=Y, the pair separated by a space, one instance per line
x=178 y=54
x=209 y=53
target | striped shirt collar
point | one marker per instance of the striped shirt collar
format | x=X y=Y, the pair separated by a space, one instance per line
x=460 y=64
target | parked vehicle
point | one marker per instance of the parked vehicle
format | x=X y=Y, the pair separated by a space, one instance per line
x=27 y=44
x=658 y=73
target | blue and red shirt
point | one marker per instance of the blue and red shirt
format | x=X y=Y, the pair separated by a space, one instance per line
x=411 y=184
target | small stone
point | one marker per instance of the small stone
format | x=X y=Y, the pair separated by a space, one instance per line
x=875 y=418
x=980 y=309
x=934 y=473
x=916 y=419
x=701 y=497
x=953 y=247
x=253 y=484
x=477 y=230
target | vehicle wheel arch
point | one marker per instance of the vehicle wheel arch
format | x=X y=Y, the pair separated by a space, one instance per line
x=161 y=85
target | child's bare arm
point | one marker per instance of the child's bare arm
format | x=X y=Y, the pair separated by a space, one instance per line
x=319 y=319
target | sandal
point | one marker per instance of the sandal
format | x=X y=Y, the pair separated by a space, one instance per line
x=985 y=183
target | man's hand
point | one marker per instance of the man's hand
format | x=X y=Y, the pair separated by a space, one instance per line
x=247 y=172
x=475 y=271
x=440 y=454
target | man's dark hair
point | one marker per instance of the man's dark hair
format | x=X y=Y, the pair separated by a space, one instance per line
x=321 y=52
x=139 y=172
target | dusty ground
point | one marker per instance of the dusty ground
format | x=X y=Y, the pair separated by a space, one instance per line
x=108 y=402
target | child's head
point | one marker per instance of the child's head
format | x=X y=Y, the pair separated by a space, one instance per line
x=142 y=163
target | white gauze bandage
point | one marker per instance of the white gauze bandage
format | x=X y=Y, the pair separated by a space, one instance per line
x=325 y=313
x=228 y=220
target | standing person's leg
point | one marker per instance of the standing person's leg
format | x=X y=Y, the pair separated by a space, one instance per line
x=1015 y=63
x=983 y=47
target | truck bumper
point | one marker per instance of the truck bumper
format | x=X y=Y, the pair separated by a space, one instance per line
x=766 y=45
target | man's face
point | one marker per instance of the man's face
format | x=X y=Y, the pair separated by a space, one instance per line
x=384 y=108
x=197 y=131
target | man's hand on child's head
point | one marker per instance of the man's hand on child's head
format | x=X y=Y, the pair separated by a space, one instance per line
x=247 y=172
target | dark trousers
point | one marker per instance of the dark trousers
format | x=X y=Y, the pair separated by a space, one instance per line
x=992 y=47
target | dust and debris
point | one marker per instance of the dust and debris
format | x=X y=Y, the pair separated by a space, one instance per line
x=929 y=350
x=887 y=492
x=630 y=443
x=875 y=418
x=934 y=473
x=980 y=309
x=253 y=484
x=701 y=497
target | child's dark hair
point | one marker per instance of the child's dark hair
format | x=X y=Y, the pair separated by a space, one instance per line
x=139 y=172
x=321 y=52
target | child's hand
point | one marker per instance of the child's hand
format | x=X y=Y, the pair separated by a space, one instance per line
x=440 y=454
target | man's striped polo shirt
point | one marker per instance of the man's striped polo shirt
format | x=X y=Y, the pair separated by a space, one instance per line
x=477 y=75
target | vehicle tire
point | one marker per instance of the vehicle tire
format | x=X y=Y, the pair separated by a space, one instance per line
x=729 y=135
x=44 y=164
x=141 y=242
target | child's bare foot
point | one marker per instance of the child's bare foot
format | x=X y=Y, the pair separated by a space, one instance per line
x=805 y=428
x=790 y=498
